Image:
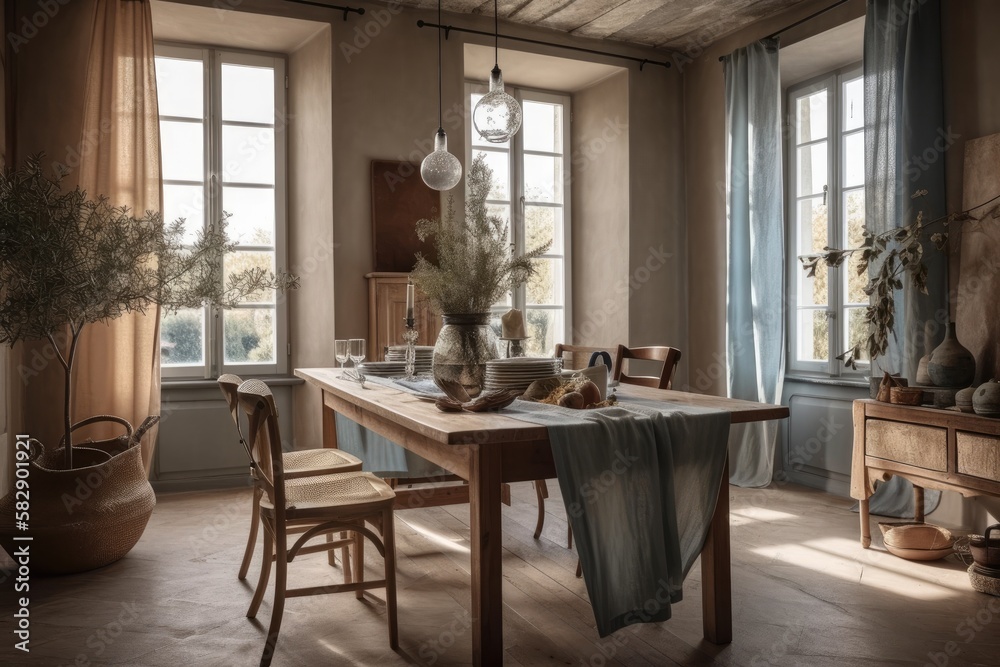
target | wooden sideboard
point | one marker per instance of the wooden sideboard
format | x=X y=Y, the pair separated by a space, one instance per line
x=934 y=449
x=387 y=309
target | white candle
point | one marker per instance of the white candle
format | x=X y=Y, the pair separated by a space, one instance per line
x=409 y=301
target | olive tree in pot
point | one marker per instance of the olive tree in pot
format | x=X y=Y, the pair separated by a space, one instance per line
x=67 y=261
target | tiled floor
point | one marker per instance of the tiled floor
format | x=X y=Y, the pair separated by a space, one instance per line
x=805 y=593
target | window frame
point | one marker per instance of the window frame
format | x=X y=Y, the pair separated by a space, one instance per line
x=836 y=307
x=213 y=59
x=517 y=203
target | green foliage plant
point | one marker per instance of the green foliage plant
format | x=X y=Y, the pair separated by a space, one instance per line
x=67 y=261
x=475 y=267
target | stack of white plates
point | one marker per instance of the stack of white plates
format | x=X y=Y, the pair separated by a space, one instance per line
x=424 y=356
x=382 y=368
x=519 y=372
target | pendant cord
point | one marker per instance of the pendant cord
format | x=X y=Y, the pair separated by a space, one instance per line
x=496 y=34
x=440 y=85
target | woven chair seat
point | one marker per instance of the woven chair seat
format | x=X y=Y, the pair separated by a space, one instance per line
x=350 y=488
x=317 y=460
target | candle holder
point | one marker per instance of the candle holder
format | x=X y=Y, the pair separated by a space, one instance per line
x=410 y=336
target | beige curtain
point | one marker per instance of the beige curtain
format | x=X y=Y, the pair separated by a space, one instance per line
x=118 y=364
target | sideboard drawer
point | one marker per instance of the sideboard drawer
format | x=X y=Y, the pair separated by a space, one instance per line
x=978 y=455
x=921 y=446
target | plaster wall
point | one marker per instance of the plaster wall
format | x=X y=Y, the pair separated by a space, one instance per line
x=600 y=206
x=311 y=244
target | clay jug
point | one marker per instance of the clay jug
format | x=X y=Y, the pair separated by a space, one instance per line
x=923 y=377
x=951 y=365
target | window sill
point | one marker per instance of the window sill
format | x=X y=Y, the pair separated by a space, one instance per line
x=858 y=383
x=203 y=383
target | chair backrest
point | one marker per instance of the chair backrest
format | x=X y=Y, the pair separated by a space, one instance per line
x=579 y=355
x=229 y=384
x=258 y=403
x=668 y=356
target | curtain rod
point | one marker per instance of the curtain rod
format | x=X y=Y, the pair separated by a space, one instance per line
x=800 y=21
x=448 y=28
x=357 y=10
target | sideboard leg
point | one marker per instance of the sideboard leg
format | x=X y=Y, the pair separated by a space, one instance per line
x=866 y=528
x=918 y=503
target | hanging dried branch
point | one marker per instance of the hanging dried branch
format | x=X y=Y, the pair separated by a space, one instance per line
x=894 y=253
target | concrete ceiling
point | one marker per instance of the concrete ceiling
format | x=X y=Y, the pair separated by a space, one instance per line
x=671 y=24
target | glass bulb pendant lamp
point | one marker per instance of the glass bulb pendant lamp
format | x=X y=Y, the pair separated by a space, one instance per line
x=497 y=116
x=440 y=170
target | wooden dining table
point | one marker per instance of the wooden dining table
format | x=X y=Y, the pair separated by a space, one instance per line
x=490 y=449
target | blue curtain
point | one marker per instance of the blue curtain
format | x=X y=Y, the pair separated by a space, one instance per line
x=905 y=143
x=755 y=321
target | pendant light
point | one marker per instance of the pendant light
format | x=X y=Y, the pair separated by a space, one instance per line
x=440 y=170
x=497 y=116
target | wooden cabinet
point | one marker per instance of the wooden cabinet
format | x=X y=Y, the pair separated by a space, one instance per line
x=387 y=310
x=934 y=449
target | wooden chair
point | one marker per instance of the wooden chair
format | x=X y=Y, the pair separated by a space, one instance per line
x=329 y=503
x=668 y=356
x=579 y=357
x=302 y=463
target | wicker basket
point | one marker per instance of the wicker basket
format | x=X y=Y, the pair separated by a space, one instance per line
x=89 y=516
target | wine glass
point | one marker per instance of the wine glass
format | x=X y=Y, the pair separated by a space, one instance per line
x=341 y=351
x=357 y=347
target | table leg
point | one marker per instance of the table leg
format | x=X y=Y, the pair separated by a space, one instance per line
x=918 y=503
x=487 y=551
x=866 y=528
x=716 y=574
x=329 y=426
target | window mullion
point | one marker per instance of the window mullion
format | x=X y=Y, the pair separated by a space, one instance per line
x=517 y=212
x=214 y=153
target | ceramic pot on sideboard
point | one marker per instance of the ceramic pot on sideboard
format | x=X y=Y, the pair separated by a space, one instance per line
x=951 y=364
x=986 y=400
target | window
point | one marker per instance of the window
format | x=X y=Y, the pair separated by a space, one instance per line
x=531 y=180
x=826 y=207
x=223 y=152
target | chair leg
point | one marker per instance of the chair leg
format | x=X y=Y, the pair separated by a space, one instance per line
x=389 y=542
x=569 y=532
x=541 y=492
x=359 y=562
x=278 y=608
x=345 y=559
x=579 y=569
x=252 y=539
x=331 y=556
x=265 y=572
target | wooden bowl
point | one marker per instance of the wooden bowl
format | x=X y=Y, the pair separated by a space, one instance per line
x=906 y=395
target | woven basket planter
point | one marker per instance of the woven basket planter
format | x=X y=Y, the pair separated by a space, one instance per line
x=89 y=516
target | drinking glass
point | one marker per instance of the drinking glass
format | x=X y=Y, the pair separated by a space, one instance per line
x=357 y=346
x=341 y=351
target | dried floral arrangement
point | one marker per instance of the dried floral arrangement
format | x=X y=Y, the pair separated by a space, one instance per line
x=67 y=261
x=893 y=254
x=475 y=267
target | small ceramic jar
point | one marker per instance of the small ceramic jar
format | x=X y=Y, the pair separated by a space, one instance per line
x=986 y=400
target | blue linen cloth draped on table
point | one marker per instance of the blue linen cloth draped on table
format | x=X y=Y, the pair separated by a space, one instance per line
x=380 y=455
x=640 y=483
